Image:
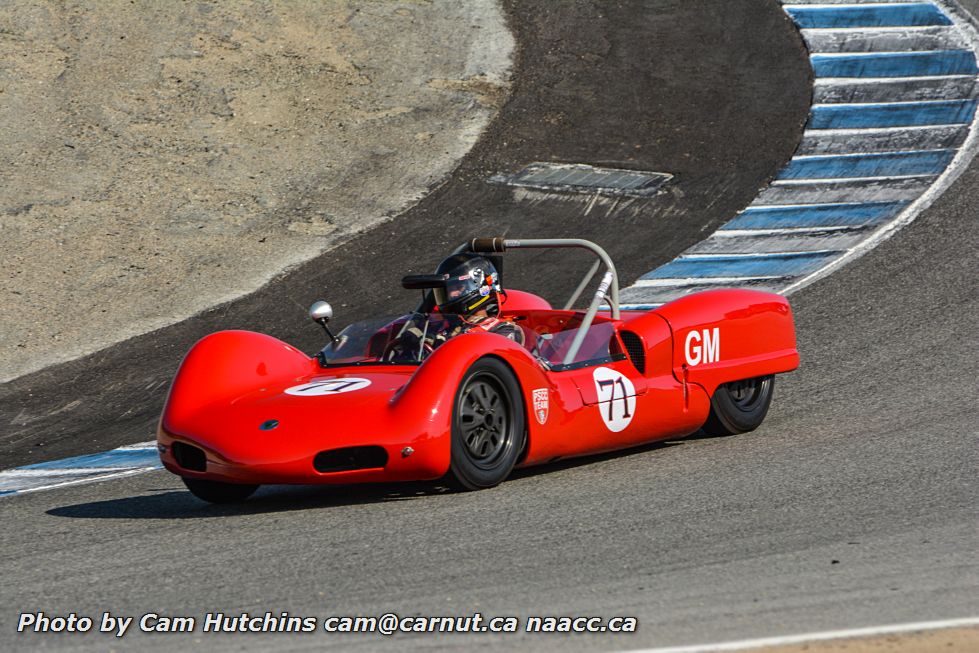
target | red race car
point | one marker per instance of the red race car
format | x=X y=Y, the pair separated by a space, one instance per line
x=476 y=381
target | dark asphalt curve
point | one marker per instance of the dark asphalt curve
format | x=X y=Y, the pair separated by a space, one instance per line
x=853 y=505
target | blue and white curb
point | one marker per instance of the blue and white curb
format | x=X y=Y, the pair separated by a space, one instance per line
x=124 y=461
x=892 y=125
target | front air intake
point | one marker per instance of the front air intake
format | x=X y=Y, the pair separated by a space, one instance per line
x=190 y=457
x=635 y=349
x=350 y=458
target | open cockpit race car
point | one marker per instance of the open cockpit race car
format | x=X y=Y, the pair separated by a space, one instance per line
x=439 y=394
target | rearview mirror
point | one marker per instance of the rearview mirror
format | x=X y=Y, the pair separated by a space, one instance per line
x=320 y=312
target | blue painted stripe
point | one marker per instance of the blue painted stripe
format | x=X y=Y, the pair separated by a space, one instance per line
x=121 y=458
x=895 y=64
x=898 y=114
x=911 y=15
x=816 y=215
x=4 y=493
x=868 y=165
x=786 y=265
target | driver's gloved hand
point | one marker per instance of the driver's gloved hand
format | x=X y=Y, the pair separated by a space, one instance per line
x=412 y=337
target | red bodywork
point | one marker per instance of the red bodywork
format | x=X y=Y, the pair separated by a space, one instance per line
x=673 y=357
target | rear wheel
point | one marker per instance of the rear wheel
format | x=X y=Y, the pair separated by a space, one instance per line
x=488 y=428
x=218 y=492
x=740 y=406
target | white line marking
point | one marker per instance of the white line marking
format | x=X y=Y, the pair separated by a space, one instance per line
x=878 y=53
x=687 y=281
x=139 y=446
x=81 y=481
x=855 y=131
x=758 y=255
x=889 y=104
x=805 y=157
x=832 y=180
x=852 y=30
x=814 y=205
x=848 y=81
x=12 y=474
x=785 y=231
x=21 y=480
x=815 y=637
x=837 y=5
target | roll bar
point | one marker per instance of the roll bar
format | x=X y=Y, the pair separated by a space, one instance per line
x=608 y=289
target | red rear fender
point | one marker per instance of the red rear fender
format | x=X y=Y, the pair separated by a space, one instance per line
x=727 y=335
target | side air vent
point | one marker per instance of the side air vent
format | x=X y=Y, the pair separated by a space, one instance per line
x=634 y=347
x=190 y=457
x=350 y=458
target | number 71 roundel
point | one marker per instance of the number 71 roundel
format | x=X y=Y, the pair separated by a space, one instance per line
x=616 y=398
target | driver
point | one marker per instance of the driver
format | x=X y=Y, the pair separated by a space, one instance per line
x=469 y=300
x=472 y=292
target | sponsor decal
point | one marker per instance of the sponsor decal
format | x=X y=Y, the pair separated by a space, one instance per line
x=331 y=386
x=616 y=398
x=542 y=405
x=703 y=346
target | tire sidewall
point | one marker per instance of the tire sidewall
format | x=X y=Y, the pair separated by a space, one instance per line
x=734 y=418
x=462 y=468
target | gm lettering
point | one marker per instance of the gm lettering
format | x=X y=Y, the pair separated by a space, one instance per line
x=703 y=347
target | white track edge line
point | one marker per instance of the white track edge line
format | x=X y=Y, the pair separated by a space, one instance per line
x=881 y=53
x=810 y=157
x=785 y=231
x=868 y=28
x=82 y=481
x=864 y=5
x=820 y=105
x=831 y=180
x=856 y=131
x=839 y=81
x=692 y=256
x=666 y=282
x=763 y=642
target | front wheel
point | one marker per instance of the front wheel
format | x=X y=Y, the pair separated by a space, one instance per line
x=740 y=406
x=488 y=428
x=218 y=492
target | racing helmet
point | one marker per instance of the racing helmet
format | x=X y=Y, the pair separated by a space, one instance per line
x=472 y=284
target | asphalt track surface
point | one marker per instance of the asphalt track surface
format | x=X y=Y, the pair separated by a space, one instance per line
x=853 y=505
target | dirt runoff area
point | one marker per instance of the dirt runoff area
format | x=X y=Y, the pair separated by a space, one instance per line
x=948 y=640
x=160 y=158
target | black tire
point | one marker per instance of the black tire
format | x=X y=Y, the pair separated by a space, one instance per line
x=218 y=492
x=740 y=406
x=488 y=426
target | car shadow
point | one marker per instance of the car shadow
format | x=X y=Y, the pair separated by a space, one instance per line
x=166 y=503
x=584 y=461
x=181 y=504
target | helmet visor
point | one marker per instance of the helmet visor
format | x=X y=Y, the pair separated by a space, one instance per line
x=473 y=283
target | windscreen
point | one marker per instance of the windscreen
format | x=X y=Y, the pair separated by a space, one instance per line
x=402 y=340
x=596 y=346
